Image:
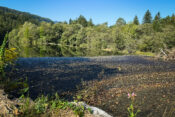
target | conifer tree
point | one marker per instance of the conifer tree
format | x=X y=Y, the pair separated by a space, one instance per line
x=173 y=19
x=147 y=17
x=157 y=17
x=90 y=23
x=136 y=21
x=82 y=20
x=156 y=22
x=70 y=21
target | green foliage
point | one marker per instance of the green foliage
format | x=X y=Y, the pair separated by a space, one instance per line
x=43 y=105
x=136 y=21
x=70 y=21
x=2 y=55
x=144 y=53
x=7 y=56
x=79 y=110
x=157 y=17
x=131 y=109
x=157 y=25
x=120 y=22
x=152 y=43
x=10 y=19
x=90 y=23
x=147 y=17
x=26 y=104
x=173 y=19
x=120 y=42
x=82 y=38
x=82 y=20
x=16 y=88
x=169 y=36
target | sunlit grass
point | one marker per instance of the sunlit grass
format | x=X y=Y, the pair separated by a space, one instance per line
x=144 y=53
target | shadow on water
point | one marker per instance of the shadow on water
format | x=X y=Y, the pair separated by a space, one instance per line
x=48 y=75
x=62 y=75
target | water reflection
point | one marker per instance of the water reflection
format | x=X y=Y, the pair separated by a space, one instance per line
x=51 y=50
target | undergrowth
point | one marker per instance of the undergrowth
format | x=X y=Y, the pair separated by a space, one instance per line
x=47 y=106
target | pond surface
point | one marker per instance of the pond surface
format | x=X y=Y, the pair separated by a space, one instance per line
x=64 y=75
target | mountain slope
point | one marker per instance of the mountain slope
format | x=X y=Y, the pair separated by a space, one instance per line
x=10 y=18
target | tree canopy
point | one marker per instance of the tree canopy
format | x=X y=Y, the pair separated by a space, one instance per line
x=120 y=21
x=136 y=21
x=147 y=17
x=81 y=37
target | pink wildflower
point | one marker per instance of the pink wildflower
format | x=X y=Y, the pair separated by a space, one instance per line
x=129 y=95
x=133 y=94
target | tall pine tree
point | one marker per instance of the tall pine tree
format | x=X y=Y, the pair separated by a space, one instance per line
x=173 y=19
x=70 y=21
x=90 y=23
x=156 y=22
x=136 y=21
x=157 y=17
x=147 y=17
x=82 y=20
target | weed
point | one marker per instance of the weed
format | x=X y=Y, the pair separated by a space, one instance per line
x=131 y=109
x=24 y=107
x=41 y=104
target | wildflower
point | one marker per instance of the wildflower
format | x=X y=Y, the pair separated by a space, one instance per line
x=131 y=109
x=131 y=95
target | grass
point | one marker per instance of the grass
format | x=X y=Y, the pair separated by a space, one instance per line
x=144 y=53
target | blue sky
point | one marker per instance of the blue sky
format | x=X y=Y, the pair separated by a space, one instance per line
x=99 y=10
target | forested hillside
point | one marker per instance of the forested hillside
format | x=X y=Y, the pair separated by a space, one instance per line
x=10 y=19
x=81 y=37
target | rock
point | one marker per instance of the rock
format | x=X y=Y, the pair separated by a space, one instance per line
x=3 y=108
x=95 y=111
x=6 y=106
